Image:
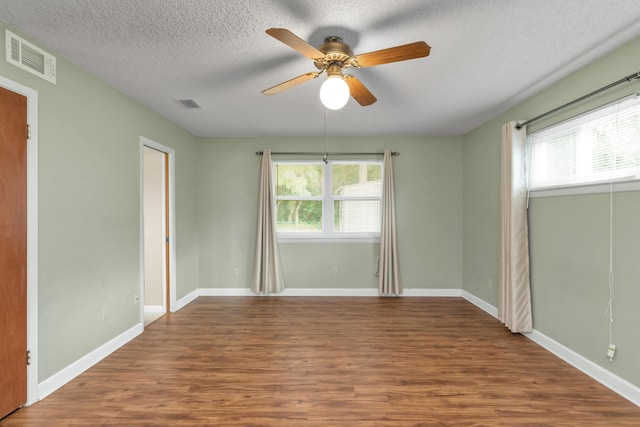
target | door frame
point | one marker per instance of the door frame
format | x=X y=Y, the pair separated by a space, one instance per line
x=170 y=158
x=32 y=233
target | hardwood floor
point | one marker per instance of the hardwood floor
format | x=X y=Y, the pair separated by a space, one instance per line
x=324 y=361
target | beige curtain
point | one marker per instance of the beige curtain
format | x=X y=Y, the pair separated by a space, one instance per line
x=514 y=305
x=267 y=276
x=389 y=282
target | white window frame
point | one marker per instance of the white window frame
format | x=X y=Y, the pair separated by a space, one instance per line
x=606 y=182
x=327 y=198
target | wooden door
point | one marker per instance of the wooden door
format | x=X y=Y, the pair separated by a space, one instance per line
x=13 y=251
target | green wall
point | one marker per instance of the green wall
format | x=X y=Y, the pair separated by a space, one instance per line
x=428 y=184
x=570 y=269
x=569 y=240
x=89 y=210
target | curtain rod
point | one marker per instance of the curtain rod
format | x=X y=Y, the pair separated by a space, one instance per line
x=318 y=153
x=582 y=98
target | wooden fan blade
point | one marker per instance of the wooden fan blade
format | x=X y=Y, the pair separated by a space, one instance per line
x=394 y=54
x=290 y=83
x=295 y=42
x=358 y=91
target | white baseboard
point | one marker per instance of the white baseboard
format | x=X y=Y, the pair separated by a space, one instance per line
x=605 y=377
x=480 y=303
x=328 y=292
x=59 y=379
x=315 y=292
x=154 y=309
x=182 y=302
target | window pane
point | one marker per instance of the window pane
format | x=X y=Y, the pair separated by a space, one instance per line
x=356 y=179
x=356 y=216
x=298 y=179
x=299 y=215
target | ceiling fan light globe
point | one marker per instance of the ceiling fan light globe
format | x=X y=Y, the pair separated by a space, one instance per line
x=334 y=93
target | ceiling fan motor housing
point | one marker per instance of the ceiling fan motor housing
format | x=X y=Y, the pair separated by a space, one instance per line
x=336 y=53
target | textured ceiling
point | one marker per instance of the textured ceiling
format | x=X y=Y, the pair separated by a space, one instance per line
x=486 y=56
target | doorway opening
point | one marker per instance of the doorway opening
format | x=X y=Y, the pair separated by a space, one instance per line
x=157 y=288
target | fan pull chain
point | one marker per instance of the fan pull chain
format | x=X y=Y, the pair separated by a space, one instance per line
x=326 y=147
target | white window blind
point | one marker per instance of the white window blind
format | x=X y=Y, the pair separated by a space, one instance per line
x=600 y=146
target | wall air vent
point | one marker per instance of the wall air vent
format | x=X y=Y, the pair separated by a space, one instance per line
x=29 y=57
x=188 y=103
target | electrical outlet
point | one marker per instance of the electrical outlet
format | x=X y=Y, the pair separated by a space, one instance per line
x=136 y=299
x=611 y=351
x=334 y=270
x=105 y=313
x=236 y=271
x=489 y=283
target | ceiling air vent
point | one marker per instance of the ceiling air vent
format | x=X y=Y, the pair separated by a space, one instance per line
x=189 y=103
x=29 y=57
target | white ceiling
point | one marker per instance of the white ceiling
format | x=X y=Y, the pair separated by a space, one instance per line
x=486 y=56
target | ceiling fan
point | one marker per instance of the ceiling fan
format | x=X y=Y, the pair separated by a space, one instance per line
x=333 y=57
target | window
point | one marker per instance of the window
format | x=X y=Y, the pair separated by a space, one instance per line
x=596 y=147
x=337 y=199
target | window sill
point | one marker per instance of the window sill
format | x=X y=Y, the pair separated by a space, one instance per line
x=592 y=188
x=305 y=239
